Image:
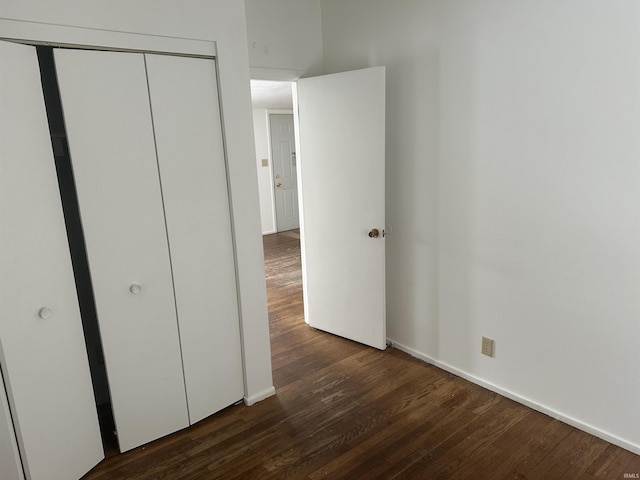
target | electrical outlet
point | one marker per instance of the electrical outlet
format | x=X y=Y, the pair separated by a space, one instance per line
x=488 y=345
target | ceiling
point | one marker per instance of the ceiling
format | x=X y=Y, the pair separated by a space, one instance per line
x=271 y=94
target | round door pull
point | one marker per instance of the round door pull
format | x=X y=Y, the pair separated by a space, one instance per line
x=374 y=233
x=135 y=288
x=45 y=312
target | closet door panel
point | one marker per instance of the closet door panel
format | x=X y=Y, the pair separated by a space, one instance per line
x=42 y=351
x=108 y=120
x=184 y=101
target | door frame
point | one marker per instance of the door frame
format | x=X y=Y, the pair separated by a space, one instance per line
x=291 y=76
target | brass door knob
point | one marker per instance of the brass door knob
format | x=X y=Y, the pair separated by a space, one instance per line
x=278 y=184
x=374 y=233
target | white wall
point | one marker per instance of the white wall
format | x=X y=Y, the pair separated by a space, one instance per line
x=220 y=21
x=285 y=38
x=513 y=190
x=265 y=190
x=285 y=43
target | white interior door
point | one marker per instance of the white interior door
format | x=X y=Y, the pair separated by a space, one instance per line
x=105 y=102
x=186 y=115
x=42 y=352
x=342 y=165
x=285 y=177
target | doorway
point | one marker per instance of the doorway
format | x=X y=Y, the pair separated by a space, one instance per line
x=340 y=119
x=274 y=131
x=272 y=103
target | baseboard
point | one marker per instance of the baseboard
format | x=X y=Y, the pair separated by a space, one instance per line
x=518 y=398
x=269 y=232
x=252 y=399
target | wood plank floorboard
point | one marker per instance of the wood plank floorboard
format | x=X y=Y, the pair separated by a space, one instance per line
x=346 y=411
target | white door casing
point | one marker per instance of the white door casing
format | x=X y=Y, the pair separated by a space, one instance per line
x=285 y=177
x=43 y=353
x=107 y=114
x=188 y=132
x=342 y=171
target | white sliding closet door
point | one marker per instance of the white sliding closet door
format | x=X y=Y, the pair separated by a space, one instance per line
x=186 y=116
x=108 y=120
x=42 y=351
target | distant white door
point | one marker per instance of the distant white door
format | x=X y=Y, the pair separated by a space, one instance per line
x=285 y=182
x=342 y=166
x=42 y=349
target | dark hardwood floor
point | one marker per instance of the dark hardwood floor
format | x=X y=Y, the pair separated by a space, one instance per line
x=345 y=411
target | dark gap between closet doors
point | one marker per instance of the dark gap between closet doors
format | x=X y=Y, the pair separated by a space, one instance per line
x=77 y=246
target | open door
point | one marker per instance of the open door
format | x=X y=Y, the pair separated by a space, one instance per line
x=341 y=166
x=42 y=350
